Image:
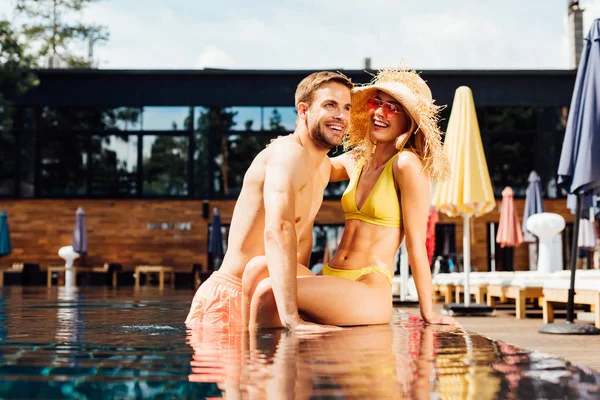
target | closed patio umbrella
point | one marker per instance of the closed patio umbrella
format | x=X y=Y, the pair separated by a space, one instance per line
x=215 y=240
x=5 y=247
x=509 y=230
x=468 y=193
x=534 y=204
x=579 y=166
x=80 y=243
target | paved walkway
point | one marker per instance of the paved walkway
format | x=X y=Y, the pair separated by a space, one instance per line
x=580 y=350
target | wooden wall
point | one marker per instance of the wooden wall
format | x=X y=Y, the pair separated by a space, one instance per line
x=118 y=230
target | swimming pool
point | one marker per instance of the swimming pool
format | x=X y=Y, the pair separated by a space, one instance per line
x=103 y=343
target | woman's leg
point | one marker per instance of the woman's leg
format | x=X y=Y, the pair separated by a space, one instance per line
x=256 y=270
x=329 y=300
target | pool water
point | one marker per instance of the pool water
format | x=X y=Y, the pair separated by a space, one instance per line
x=97 y=343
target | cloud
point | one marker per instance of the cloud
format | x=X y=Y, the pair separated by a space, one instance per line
x=591 y=12
x=337 y=34
x=214 y=57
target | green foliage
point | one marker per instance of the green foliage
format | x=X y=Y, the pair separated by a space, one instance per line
x=53 y=36
x=165 y=170
x=275 y=122
x=15 y=71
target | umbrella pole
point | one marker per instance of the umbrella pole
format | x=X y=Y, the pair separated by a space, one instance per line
x=467 y=308
x=574 y=241
x=467 y=258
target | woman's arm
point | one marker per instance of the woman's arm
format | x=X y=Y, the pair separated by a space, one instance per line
x=413 y=182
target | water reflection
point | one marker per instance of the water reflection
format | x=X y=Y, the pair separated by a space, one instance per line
x=403 y=360
x=68 y=314
x=101 y=343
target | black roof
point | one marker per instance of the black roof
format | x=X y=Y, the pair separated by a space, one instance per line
x=223 y=87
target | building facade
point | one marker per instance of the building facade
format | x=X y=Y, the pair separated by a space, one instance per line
x=148 y=153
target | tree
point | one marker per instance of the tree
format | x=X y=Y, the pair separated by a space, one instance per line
x=15 y=72
x=54 y=37
x=165 y=170
x=214 y=121
x=275 y=122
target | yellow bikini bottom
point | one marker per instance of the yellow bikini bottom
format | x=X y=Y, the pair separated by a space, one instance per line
x=356 y=274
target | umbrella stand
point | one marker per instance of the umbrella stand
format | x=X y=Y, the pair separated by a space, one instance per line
x=467 y=307
x=569 y=327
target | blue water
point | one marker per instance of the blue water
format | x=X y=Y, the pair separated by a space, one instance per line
x=97 y=343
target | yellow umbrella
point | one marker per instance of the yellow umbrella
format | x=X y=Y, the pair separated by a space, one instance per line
x=468 y=192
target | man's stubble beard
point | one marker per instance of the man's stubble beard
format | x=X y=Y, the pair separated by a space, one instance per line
x=321 y=139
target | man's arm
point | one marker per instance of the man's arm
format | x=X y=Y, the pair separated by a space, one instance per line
x=282 y=180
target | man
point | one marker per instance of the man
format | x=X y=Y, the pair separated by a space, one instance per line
x=280 y=197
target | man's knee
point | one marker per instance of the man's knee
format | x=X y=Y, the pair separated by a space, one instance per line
x=255 y=269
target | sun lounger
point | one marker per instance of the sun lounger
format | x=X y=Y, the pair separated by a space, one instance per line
x=587 y=292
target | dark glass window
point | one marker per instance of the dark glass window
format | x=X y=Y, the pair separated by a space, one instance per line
x=63 y=164
x=201 y=158
x=123 y=118
x=510 y=159
x=164 y=118
x=502 y=119
x=28 y=154
x=280 y=119
x=233 y=154
x=165 y=165
x=8 y=162
x=114 y=165
x=242 y=119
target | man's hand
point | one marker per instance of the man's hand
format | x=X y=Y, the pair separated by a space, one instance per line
x=442 y=320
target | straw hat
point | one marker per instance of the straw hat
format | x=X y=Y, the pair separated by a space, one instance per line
x=410 y=90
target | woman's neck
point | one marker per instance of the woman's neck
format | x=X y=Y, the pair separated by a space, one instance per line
x=382 y=154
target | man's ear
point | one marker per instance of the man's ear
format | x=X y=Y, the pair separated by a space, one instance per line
x=302 y=110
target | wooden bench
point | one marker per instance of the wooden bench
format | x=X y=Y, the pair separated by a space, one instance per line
x=59 y=269
x=105 y=270
x=153 y=269
x=79 y=270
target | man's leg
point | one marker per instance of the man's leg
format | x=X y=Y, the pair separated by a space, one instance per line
x=328 y=300
x=256 y=271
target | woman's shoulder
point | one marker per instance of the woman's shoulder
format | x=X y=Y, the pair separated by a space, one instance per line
x=408 y=161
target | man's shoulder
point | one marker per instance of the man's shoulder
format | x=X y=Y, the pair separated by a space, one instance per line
x=287 y=150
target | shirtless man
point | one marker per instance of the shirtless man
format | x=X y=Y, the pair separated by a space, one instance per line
x=274 y=214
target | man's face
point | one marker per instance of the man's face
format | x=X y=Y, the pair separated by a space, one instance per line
x=329 y=115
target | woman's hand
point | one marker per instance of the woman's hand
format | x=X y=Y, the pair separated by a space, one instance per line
x=442 y=320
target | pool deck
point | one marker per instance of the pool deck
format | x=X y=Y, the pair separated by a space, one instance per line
x=582 y=350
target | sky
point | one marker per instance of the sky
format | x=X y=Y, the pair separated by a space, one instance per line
x=336 y=34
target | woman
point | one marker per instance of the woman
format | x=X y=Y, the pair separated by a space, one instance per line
x=396 y=149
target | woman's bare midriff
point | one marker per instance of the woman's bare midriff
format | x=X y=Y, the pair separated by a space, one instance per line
x=365 y=244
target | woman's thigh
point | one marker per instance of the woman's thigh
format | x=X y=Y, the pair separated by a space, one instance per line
x=336 y=301
x=329 y=300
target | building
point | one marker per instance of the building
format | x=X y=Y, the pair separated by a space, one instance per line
x=147 y=154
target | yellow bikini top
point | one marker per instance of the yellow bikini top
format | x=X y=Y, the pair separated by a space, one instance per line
x=382 y=206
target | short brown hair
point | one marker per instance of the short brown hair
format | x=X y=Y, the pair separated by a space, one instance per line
x=305 y=91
